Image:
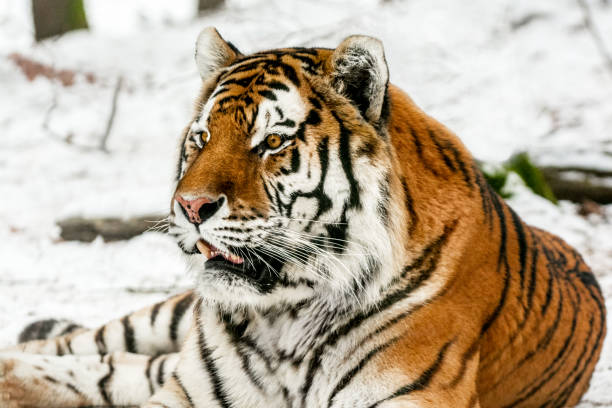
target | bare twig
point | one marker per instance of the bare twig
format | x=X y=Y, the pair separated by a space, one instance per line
x=111 y=116
x=47 y=117
x=599 y=43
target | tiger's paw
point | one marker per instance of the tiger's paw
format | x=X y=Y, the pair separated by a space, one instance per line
x=12 y=390
x=29 y=381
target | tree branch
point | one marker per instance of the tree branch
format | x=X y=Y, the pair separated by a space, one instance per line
x=111 y=116
x=599 y=43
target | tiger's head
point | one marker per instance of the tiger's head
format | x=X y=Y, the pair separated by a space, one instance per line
x=285 y=185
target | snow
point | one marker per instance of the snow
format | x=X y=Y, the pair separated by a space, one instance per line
x=507 y=76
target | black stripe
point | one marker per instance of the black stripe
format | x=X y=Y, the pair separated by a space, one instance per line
x=74 y=389
x=218 y=92
x=346 y=379
x=235 y=333
x=431 y=253
x=104 y=382
x=242 y=82
x=148 y=374
x=38 y=330
x=58 y=348
x=280 y=112
x=252 y=64
x=155 y=312
x=128 y=335
x=549 y=293
x=418 y=145
x=324 y=201
x=99 y=339
x=502 y=258
x=161 y=371
x=286 y=123
x=183 y=389
x=465 y=359
x=528 y=309
x=462 y=166
x=447 y=160
x=279 y=86
x=522 y=244
x=267 y=94
x=69 y=329
x=50 y=379
x=459 y=161
x=290 y=74
x=295 y=160
x=315 y=102
x=179 y=310
x=484 y=195
x=344 y=153
x=69 y=345
x=423 y=380
x=211 y=369
x=414 y=218
x=313 y=118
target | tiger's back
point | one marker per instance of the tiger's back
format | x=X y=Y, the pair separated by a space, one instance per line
x=544 y=318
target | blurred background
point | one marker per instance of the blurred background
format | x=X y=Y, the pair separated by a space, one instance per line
x=94 y=95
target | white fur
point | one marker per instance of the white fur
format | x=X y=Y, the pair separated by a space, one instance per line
x=212 y=52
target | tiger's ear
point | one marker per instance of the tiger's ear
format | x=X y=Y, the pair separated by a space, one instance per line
x=359 y=72
x=213 y=52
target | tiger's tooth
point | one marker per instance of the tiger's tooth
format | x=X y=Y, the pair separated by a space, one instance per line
x=204 y=249
x=235 y=259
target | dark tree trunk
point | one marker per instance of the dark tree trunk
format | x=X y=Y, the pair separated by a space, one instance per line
x=207 y=5
x=54 y=17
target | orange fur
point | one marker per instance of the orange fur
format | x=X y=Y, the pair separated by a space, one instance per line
x=502 y=345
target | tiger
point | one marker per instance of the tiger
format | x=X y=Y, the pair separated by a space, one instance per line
x=347 y=252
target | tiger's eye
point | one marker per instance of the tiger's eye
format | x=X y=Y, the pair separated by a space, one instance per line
x=201 y=137
x=274 y=141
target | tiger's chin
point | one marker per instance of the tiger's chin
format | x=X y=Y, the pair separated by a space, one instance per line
x=226 y=278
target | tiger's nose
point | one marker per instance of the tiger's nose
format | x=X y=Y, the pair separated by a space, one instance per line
x=199 y=209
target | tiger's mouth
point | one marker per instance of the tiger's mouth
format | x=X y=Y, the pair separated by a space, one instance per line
x=210 y=252
x=260 y=269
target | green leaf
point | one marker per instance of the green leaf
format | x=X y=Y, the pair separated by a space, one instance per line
x=522 y=165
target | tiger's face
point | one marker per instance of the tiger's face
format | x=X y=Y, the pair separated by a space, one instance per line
x=285 y=179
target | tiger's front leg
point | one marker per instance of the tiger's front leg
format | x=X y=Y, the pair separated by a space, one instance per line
x=153 y=330
x=119 y=378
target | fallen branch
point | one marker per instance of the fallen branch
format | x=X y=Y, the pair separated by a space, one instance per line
x=579 y=184
x=160 y=289
x=110 y=229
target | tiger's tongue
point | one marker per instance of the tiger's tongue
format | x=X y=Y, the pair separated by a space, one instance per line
x=209 y=251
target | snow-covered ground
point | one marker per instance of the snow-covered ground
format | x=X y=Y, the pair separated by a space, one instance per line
x=506 y=75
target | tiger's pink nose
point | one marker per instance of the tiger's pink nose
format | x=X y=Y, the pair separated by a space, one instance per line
x=199 y=209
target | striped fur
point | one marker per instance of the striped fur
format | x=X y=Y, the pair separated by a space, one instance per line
x=378 y=267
